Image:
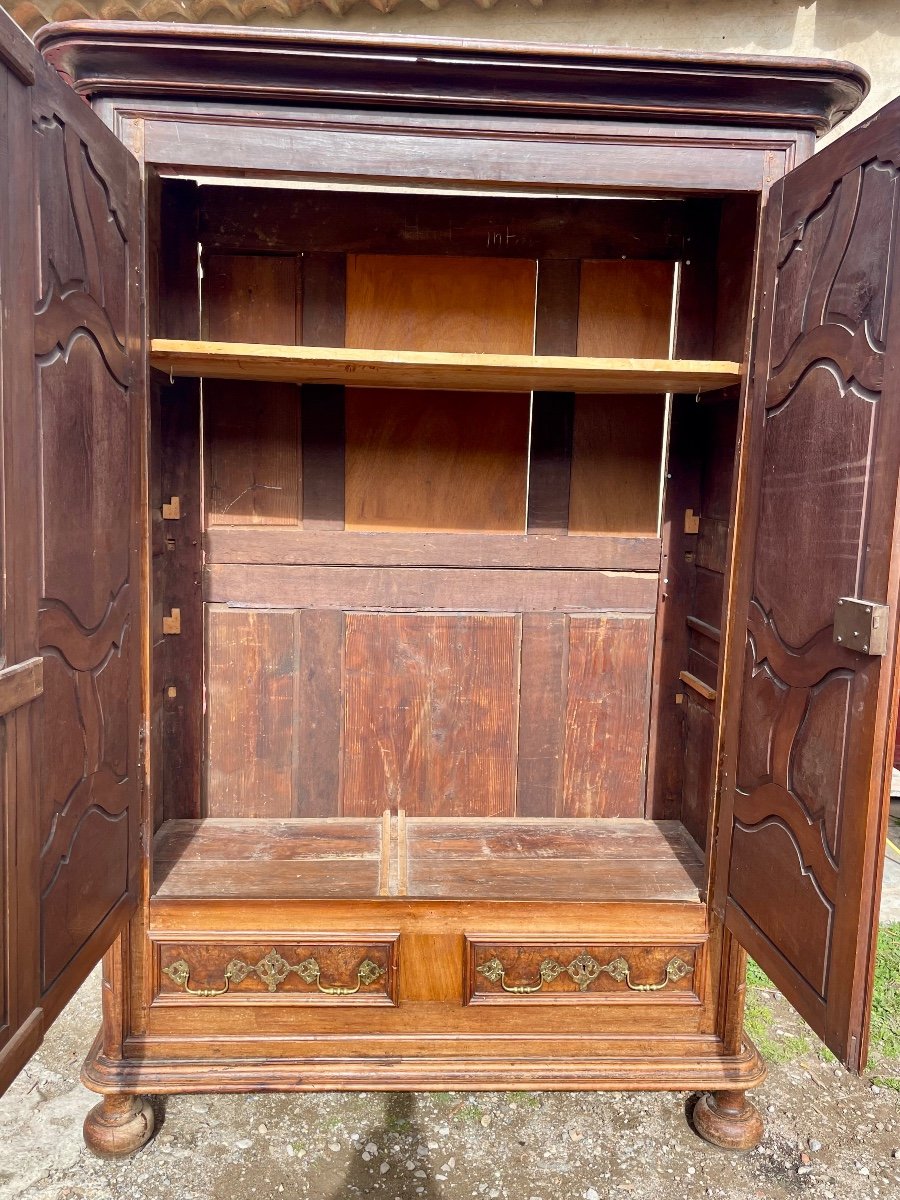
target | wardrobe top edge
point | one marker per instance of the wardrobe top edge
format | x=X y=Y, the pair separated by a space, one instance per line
x=136 y=58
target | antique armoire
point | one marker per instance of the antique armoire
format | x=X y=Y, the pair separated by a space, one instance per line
x=450 y=560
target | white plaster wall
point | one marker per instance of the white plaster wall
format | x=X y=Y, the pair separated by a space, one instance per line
x=865 y=31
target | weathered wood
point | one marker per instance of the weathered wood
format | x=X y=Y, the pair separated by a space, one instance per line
x=430 y=714
x=389 y=549
x=319 y=679
x=321 y=224
x=89 y=401
x=802 y=845
x=485 y=590
x=469 y=858
x=20 y=684
x=251 y=430
x=440 y=369
x=605 y=755
x=250 y=718
x=542 y=711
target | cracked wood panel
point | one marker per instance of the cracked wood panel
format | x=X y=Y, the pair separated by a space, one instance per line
x=90 y=404
x=807 y=737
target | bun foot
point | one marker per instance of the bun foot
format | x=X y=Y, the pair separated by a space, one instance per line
x=118 y=1126
x=728 y=1120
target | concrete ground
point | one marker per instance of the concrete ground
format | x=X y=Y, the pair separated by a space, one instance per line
x=829 y=1135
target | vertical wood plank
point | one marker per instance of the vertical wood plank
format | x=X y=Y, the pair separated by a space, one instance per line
x=251 y=298
x=625 y=308
x=550 y=467
x=251 y=663
x=253 y=461
x=320 y=637
x=430 y=714
x=324 y=320
x=552 y=419
x=323 y=456
x=604 y=760
x=431 y=302
x=556 y=312
x=324 y=299
x=542 y=708
x=252 y=430
x=617 y=449
x=178 y=661
x=436 y=460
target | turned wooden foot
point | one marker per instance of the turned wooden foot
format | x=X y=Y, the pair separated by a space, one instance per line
x=119 y=1125
x=728 y=1120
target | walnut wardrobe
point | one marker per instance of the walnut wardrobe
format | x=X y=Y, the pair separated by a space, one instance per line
x=450 y=560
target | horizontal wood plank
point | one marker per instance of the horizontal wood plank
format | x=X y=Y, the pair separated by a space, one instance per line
x=545 y=551
x=420 y=369
x=20 y=683
x=455 y=590
x=464 y=858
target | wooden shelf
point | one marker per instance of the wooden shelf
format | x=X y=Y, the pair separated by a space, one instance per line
x=459 y=372
x=429 y=858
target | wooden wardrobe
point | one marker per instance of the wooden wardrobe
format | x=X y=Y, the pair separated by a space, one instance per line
x=450 y=560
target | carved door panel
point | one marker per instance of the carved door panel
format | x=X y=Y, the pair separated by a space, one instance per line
x=808 y=735
x=73 y=422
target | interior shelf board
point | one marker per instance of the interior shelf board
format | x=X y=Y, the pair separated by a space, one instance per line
x=475 y=858
x=418 y=369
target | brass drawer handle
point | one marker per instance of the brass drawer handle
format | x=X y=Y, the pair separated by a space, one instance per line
x=583 y=970
x=272 y=970
x=676 y=968
x=495 y=972
x=310 y=972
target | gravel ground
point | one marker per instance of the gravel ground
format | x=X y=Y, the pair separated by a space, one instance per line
x=828 y=1135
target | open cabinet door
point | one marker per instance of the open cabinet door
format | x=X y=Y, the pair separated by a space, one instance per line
x=72 y=394
x=812 y=660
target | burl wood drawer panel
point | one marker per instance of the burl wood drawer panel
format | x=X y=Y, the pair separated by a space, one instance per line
x=516 y=972
x=313 y=970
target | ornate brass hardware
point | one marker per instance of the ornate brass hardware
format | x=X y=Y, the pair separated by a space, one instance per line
x=583 y=971
x=272 y=970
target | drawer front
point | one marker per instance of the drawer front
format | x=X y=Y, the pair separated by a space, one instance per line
x=315 y=970
x=501 y=971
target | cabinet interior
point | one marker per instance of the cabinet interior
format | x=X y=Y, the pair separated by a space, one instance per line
x=430 y=641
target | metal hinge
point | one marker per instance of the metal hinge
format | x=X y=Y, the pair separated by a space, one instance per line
x=861 y=625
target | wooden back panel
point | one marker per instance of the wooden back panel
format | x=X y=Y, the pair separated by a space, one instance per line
x=348 y=689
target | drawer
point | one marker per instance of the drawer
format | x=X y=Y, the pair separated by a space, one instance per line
x=315 y=969
x=505 y=971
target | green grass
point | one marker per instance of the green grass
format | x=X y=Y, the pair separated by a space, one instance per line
x=469 y=1112
x=885 y=1040
x=884 y=1052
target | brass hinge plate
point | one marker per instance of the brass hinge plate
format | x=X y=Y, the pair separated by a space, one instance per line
x=861 y=625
